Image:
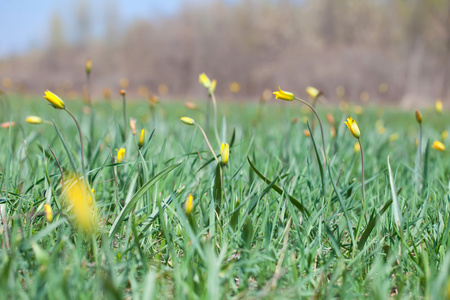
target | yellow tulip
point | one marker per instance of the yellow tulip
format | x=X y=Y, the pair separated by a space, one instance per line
x=438 y=106
x=351 y=124
x=444 y=134
x=141 y=139
x=120 y=155
x=48 y=212
x=88 y=66
x=79 y=198
x=283 y=95
x=189 y=204
x=438 y=146
x=212 y=88
x=204 y=80
x=313 y=92
x=54 y=100
x=33 y=120
x=224 y=153
x=187 y=121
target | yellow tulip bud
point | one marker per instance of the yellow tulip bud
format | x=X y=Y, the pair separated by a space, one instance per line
x=439 y=106
x=141 y=139
x=189 y=204
x=120 y=155
x=418 y=117
x=212 y=88
x=224 y=153
x=54 y=100
x=313 y=92
x=204 y=80
x=33 y=120
x=187 y=121
x=48 y=212
x=444 y=134
x=88 y=66
x=351 y=124
x=438 y=146
x=123 y=92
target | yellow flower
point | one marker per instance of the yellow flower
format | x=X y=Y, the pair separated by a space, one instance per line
x=189 y=204
x=33 y=120
x=306 y=133
x=48 y=212
x=356 y=147
x=283 y=95
x=88 y=66
x=224 y=153
x=313 y=92
x=358 y=110
x=418 y=117
x=393 y=137
x=141 y=139
x=212 y=88
x=78 y=196
x=187 y=121
x=120 y=155
x=54 y=100
x=7 y=124
x=133 y=126
x=438 y=146
x=438 y=106
x=235 y=87
x=444 y=134
x=381 y=129
x=204 y=80
x=123 y=92
x=351 y=124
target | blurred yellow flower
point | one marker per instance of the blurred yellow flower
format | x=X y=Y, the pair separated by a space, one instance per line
x=351 y=124
x=141 y=138
x=393 y=137
x=48 y=212
x=383 y=88
x=358 y=110
x=312 y=92
x=54 y=100
x=163 y=89
x=330 y=118
x=418 y=117
x=438 y=146
x=88 y=66
x=306 y=133
x=189 y=204
x=283 y=95
x=120 y=155
x=444 y=134
x=333 y=132
x=204 y=80
x=235 y=87
x=438 y=106
x=187 y=121
x=381 y=129
x=123 y=92
x=224 y=153
x=33 y=120
x=107 y=93
x=79 y=198
x=356 y=147
x=212 y=88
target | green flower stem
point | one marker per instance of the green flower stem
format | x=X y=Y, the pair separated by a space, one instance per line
x=321 y=127
x=81 y=140
x=213 y=98
x=207 y=141
x=124 y=118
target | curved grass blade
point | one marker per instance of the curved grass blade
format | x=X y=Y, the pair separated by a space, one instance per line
x=395 y=208
x=129 y=206
x=65 y=146
x=277 y=189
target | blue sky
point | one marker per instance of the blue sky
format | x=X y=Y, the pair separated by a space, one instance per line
x=24 y=24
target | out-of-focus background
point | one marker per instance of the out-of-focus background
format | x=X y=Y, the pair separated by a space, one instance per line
x=382 y=51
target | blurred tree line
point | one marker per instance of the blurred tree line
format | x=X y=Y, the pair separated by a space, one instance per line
x=392 y=50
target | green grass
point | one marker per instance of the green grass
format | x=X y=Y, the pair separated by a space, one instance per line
x=245 y=238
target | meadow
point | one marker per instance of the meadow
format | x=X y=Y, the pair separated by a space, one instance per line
x=275 y=217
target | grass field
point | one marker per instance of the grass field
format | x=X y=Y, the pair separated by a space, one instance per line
x=304 y=231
